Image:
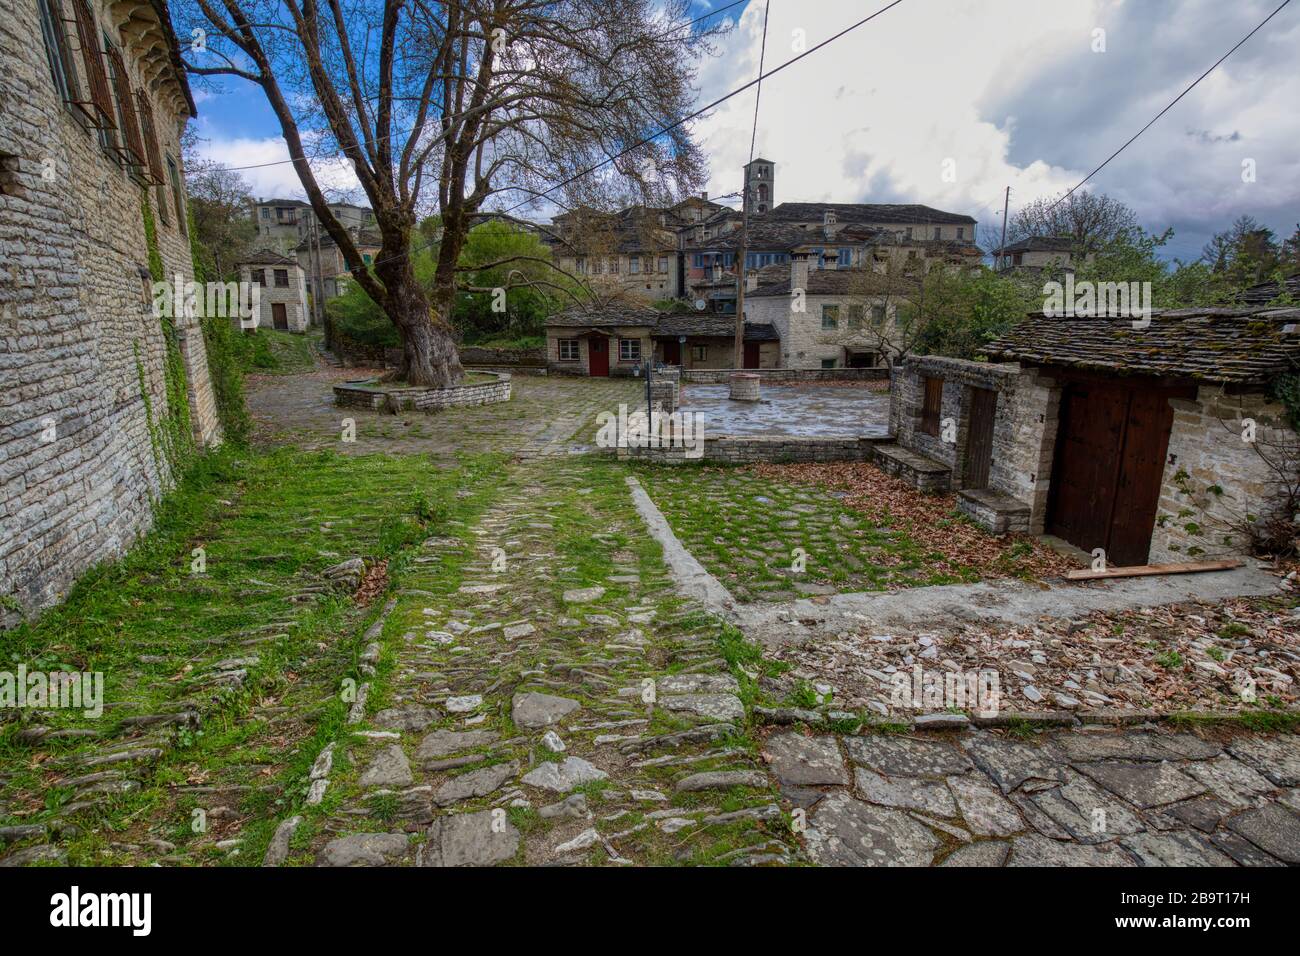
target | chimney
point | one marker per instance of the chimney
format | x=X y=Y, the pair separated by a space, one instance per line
x=705 y=195
x=799 y=271
x=717 y=270
x=832 y=259
x=751 y=280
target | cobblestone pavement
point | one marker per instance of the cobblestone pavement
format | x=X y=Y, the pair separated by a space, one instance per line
x=568 y=708
x=1085 y=797
x=546 y=415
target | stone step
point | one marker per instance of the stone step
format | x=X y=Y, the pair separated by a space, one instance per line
x=923 y=473
x=993 y=510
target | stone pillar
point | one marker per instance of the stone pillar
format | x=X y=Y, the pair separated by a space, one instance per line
x=744 y=387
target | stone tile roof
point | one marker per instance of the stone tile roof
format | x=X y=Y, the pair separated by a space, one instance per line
x=603 y=317
x=820 y=281
x=1239 y=346
x=902 y=213
x=1266 y=292
x=1062 y=244
x=267 y=257
x=712 y=325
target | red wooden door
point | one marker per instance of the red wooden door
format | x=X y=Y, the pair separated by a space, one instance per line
x=751 y=355
x=598 y=355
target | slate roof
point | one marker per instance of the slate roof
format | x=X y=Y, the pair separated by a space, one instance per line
x=1239 y=346
x=267 y=257
x=1038 y=244
x=603 y=317
x=710 y=324
x=902 y=213
x=820 y=281
x=1266 y=292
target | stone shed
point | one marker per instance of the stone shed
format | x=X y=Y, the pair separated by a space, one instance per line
x=1155 y=443
x=610 y=340
x=284 y=290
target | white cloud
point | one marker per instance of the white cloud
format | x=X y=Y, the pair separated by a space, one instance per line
x=1013 y=94
x=268 y=172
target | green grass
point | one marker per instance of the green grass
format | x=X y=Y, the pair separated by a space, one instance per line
x=769 y=541
x=267 y=524
x=271 y=351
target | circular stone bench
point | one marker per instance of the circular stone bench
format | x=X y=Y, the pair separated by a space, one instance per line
x=379 y=396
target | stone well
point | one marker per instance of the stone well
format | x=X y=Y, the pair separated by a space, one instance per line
x=744 y=387
x=378 y=396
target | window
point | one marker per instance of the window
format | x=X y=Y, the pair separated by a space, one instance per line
x=648 y=262
x=568 y=350
x=663 y=263
x=175 y=175
x=613 y=265
x=282 y=278
x=266 y=213
x=629 y=350
x=580 y=266
x=366 y=258
x=597 y=266
x=909 y=232
x=830 y=317
x=699 y=353
x=961 y=232
x=931 y=405
x=856 y=312
x=877 y=315
x=62 y=71
x=936 y=232
x=828 y=363
x=846 y=258
x=259 y=276
x=634 y=264
x=98 y=106
x=130 y=149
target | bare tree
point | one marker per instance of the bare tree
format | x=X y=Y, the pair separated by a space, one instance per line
x=1092 y=220
x=497 y=103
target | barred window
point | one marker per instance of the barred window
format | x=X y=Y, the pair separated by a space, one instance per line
x=63 y=71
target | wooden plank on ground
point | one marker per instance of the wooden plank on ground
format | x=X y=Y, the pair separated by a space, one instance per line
x=1145 y=570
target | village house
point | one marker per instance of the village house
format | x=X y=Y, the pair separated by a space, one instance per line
x=93 y=101
x=1037 y=253
x=613 y=340
x=285 y=223
x=322 y=260
x=283 y=285
x=1152 y=443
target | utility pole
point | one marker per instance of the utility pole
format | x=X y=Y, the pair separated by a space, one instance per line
x=1006 y=204
x=740 y=276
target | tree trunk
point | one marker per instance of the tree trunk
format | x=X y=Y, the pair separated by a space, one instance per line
x=428 y=349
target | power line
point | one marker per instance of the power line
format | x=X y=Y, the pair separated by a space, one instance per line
x=1171 y=105
x=342 y=153
x=671 y=126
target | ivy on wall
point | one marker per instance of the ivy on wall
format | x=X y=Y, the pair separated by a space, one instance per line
x=171 y=432
x=224 y=368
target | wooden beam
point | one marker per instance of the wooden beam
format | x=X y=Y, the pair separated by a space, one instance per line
x=1146 y=570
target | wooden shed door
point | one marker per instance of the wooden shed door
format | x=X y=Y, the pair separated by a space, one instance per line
x=279 y=318
x=751 y=355
x=979 y=437
x=598 y=355
x=1110 y=455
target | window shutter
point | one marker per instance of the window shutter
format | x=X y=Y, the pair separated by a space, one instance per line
x=132 y=150
x=152 y=153
x=98 y=109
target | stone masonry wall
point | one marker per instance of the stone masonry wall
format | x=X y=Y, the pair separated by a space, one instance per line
x=1212 y=478
x=81 y=353
x=743 y=449
x=293 y=296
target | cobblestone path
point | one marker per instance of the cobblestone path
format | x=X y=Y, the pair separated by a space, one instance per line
x=565 y=707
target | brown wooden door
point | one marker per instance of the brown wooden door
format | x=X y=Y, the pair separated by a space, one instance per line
x=279 y=318
x=672 y=352
x=979 y=437
x=751 y=355
x=598 y=356
x=1110 y=453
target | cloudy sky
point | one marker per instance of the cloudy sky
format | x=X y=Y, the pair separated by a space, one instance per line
x=1003 y=92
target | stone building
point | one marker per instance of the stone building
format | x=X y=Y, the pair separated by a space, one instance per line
x=283 y=224
x=704 y=341
x=609 y=341
x=283 y=287
x=1036 y=253
x=92 y=105
x=1151 y=443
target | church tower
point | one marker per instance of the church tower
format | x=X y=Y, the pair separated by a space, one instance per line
x=759 y=185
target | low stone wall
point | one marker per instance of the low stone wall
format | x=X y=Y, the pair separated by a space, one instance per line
x=475 y=355
x=378 y=398
x=722 y=376
x=743 y=449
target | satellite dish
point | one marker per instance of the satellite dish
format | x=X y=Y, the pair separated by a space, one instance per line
x=700 y=305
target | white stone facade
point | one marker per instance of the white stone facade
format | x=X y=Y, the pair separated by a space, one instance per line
x=82 y=354
x=283 y=293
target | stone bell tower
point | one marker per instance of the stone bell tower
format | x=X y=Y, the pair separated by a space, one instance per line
x=759 y=185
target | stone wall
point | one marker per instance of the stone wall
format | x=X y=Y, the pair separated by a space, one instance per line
x=582 y=366
x=1024 y=429
x=368 y=396
x=475 y=355
x=723 y=376
x=1212 y=478
x=804 y=343
x=81 y=353
x=292 y=296
x=743 y=449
